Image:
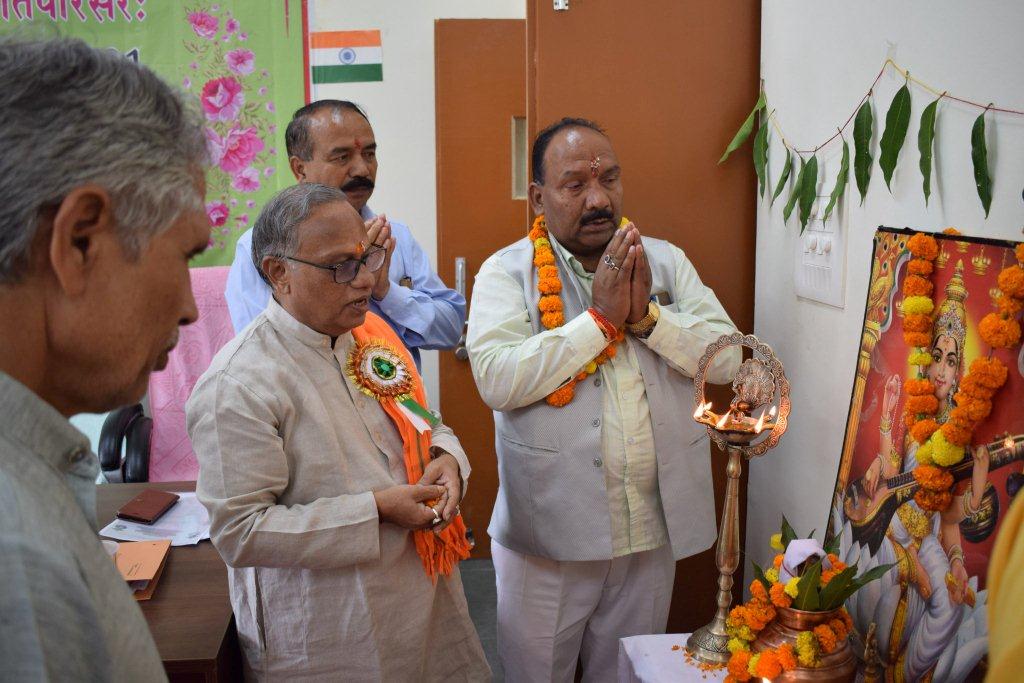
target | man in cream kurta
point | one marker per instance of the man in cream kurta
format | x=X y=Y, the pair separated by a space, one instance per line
x=598 y=498
x=293 y=461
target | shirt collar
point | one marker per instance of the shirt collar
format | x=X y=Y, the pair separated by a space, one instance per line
x=571 y=260
x=286 y=324
x=38 y=426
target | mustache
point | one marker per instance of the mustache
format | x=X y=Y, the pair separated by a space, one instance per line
x=357 y=183
x=596 y=215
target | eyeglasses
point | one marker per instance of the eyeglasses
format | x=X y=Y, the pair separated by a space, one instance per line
x=347 y=270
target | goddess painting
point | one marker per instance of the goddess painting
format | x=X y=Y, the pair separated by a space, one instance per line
x=929 y=609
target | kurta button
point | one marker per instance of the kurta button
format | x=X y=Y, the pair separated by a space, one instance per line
x=598 y=462
x=596 y=422
x=597 y=382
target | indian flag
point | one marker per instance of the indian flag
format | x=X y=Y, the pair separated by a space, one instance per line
x=345 y=56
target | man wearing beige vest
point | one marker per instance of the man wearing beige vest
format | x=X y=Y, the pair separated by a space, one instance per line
x=583 y=338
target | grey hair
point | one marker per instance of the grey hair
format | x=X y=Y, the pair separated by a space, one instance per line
x=275 y=233
x=71 y=115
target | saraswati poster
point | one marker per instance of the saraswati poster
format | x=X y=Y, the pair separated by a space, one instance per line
x=929 y=610
x=241 y=61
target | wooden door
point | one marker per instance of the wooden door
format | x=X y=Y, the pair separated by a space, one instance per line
x=480 y=75
x=670 y=81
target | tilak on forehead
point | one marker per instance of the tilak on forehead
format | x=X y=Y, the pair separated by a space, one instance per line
x=358 y=144
x=595 y=165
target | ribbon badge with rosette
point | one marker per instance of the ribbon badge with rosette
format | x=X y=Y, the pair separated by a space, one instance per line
x=380 y=371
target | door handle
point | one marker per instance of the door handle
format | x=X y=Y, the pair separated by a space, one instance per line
x=460 y=286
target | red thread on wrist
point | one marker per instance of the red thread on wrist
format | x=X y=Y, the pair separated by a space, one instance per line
x=607 y=328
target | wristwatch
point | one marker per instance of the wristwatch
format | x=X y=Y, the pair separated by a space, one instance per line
x=642 y=328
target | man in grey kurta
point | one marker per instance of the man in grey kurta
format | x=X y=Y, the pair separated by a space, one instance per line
x=299 y=470
x=101 y=174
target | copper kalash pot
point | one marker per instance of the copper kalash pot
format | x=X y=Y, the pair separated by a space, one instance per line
x=839 y=666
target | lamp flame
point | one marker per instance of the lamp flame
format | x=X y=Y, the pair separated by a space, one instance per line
x=771 y=413
x=1008 y=442
x=760 y=423
x=721 y=423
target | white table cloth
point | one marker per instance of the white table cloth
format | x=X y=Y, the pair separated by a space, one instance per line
x=651 y=659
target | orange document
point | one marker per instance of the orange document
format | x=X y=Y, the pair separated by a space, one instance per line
x=141 y=563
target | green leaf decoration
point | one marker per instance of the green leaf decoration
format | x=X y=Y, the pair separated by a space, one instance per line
x=788 y=533
x=761 y=155
x=863 y=128
x=979 y=155
x=808 y=184
x=832 y=594
x=744 y=132
x=794 y=194
x=925 y=144
x=841 y=180
x=787 y=168
x=832 y=547
x=807 y=588
x=760 y=576
x=871 y=574
x=896 y=121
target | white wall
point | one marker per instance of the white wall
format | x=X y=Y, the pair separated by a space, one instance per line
x=818 y=58
x=401 y=108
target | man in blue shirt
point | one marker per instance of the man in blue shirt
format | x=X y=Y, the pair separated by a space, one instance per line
x=331 y=142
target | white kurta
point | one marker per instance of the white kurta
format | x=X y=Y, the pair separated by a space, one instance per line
x=289 y=453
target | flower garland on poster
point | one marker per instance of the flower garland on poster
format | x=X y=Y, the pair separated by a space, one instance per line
x=549 y=284
x=943 y=446
x=234 y=98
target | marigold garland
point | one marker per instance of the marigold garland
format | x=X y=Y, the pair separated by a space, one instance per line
x=552 y=311
x=946 y=445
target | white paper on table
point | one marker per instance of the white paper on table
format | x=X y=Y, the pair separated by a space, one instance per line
x=186 y=523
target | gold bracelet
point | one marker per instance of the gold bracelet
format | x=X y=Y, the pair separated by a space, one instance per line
x=642 y=328
x=955 y=553
x=894 y=457
x=885 y=426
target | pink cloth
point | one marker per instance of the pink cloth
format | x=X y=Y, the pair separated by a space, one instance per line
x=171 y=456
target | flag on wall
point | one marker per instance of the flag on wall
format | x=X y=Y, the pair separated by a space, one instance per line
x=345 y=56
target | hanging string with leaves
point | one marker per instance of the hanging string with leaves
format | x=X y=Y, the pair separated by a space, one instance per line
x=897 y=122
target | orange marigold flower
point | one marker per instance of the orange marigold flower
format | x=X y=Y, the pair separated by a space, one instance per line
x=927 y=405
x=550 y=304
x=768 y=665
x=758 y=591
x=998 y=332
x=847 y=619
x=919 y=387
x=610 y=351
x=971 y=386
x=826 y=638
x=932 y=478
x=552 y=320
x=826 y=576
x=563 y=395
x=777 y=561
x=915 y=285
x=547 y=272
x=951 y=231
x=977 y=410
x=1009 y=306
x=1011 y=281
x=923 y=246
x=787 y=658
x=957 y=433
x=923 y=430
x=919 y=266
x=738 y=664
x=536 y=233
x=778 y=595
x=917 y=338
x=549 y=285
x=931 y=501
x=917 y=322
x=990 y=372
x=1019 y=252
x=543 y=257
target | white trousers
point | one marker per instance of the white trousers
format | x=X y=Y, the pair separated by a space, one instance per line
x=551 y=613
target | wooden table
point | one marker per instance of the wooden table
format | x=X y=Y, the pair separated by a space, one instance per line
x=190 y=613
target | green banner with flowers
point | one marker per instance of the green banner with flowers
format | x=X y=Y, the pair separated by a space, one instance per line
x=242 y=60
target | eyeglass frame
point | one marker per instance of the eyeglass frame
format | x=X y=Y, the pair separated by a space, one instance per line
x=374 y=249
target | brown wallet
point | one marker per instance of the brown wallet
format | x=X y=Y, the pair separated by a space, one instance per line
x=148 y=506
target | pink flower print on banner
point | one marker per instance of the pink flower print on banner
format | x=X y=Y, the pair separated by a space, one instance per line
x=251 y=204
x=222 y=99
x=262 y=91
x=205 y=25
x=246 y=181
x=241 y=61
x=186 y=83
x=214 y=146
x=268 y=171
x=240 y=148
x=271 y=108
x=218 y=213
x=231 y=25
x=241 y=219
x=234 y=202
x=194 y=65
x=243 y=36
